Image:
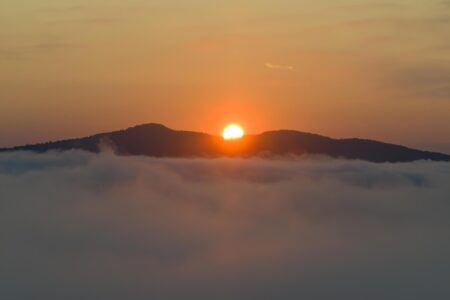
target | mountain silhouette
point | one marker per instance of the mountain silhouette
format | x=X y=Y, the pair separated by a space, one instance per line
x=159 y=141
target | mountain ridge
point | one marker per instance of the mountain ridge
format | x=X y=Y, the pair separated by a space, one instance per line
x=158 y=140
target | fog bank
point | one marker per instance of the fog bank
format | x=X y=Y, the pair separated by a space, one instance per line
x=82 y=226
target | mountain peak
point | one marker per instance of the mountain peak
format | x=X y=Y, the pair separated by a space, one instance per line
x=149 y=126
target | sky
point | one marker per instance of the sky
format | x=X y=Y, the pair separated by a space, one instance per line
x=342 y=68
x=81 y=226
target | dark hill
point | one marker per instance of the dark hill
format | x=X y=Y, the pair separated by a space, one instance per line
x=159 y=141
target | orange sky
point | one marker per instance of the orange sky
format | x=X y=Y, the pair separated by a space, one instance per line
x=339 y=68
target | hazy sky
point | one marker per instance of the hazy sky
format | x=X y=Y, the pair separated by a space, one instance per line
x=336 y=67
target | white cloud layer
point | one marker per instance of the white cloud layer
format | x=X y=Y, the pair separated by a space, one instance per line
x=82 y=226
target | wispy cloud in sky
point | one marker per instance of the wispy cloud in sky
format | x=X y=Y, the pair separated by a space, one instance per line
x=222 y=42
x=279 y=67
x=19 y=52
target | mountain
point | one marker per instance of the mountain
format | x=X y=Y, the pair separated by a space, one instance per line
x=159 y=141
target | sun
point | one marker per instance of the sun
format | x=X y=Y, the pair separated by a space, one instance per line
x=233 y=132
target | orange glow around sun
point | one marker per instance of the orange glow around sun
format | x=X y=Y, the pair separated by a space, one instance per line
x=233 y=132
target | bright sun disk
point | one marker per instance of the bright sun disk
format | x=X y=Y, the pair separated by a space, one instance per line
x=233 y=132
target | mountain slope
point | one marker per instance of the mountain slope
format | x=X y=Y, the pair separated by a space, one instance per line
x=159 y=141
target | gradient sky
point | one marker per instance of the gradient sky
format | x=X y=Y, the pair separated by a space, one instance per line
x=341 y=68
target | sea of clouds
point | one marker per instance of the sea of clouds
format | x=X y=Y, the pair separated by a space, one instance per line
x=83 y=226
